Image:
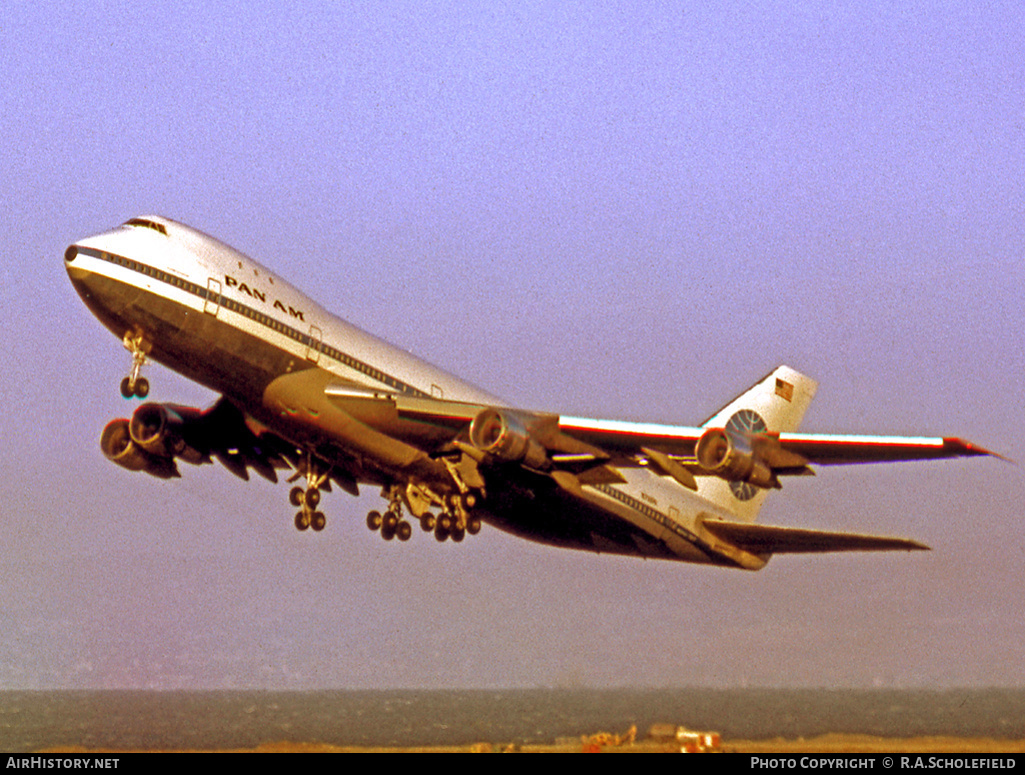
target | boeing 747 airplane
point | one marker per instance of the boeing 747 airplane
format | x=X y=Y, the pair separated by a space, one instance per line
x=307 y=393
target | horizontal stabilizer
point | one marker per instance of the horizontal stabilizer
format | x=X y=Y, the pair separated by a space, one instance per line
x=767 y=539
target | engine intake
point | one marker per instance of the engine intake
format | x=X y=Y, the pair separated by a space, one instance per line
x=504 y=436
x=159 y=429
x=725 y=455
x=118 y=447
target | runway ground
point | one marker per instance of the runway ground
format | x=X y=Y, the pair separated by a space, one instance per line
x=831 y=743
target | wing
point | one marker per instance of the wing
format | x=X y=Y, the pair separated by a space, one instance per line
x=787 y=450
x=673 y=450
x=839 y=450
x=158 y=435
x=715 y=451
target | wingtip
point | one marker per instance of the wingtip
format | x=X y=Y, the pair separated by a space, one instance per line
x=967 y=449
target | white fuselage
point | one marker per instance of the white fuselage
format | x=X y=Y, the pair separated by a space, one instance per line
x=207 y=277
x=223 y=320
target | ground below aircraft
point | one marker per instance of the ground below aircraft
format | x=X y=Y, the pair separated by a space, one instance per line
x=308 y=393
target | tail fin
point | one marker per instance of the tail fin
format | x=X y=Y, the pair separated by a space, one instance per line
x=776 y=404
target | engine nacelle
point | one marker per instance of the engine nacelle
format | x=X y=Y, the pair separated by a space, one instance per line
x=504 y=436
x=118 y=447
x=720 y=453
x=159 y=429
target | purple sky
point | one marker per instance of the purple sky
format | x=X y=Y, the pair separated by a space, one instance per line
x=629 y=213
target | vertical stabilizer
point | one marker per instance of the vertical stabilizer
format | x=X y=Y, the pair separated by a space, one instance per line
x=776 y=404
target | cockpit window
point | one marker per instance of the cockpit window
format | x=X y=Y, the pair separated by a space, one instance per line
x=147 y=224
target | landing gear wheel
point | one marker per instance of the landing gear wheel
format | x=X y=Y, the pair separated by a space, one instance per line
x=296 y=496
x=427 y=522
x=312 y=497
x=440 y=533
x=473 y=525
x=404 y=530
x=318 y=521
x=140 y=388
x=374 y=520
x=389 y=522
x=458 y=534
x=387 y=533
x=302 y=520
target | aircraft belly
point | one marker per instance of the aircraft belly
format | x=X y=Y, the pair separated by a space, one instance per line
x=536 y=508
x=296 y=406
x=661 y=508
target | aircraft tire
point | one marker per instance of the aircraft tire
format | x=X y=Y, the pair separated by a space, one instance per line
x=374 y=520
x=126 y=388
x=142 y=387
x=427 y=522
x=302 y=520
x=296 y=496
x=458 y=534
x=312 y=497
x=404 y=530
x=319 y=521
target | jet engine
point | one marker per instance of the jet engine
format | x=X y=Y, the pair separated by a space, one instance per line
x=159 y=429
x=118 y=446
x=152 y=439
x=504 y=436
x=727 y=456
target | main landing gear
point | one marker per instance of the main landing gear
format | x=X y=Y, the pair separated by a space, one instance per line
x=307 y=501
x=309 y=498
x=391 y=524
x=134 y=385
x=454 y=521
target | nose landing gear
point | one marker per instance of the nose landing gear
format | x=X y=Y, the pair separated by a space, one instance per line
x=134 y=385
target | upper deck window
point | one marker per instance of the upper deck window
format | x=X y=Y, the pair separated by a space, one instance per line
x=147 y=224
